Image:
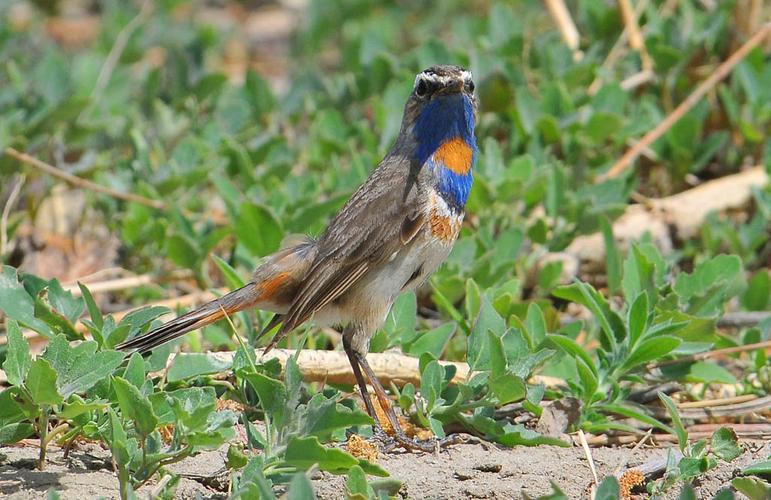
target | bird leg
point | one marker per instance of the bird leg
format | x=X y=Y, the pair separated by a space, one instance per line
x=358 y=362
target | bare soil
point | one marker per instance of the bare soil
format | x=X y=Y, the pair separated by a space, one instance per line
x=463 y=471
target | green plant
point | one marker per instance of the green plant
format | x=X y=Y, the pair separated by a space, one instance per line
x=697 y=458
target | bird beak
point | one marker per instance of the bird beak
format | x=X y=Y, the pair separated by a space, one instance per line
x=454 y=87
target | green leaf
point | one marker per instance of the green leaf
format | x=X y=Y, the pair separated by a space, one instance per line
x=709 y=372
x=758 y=292
x=431 y=383
x=194 y=407
x=135 y=406
x=356 y=485
x=304 y=452
x=189 y=365
x=589 y=380
x=135 y=370
x=573 y=349
x=93 y=309
x=272 y=393
x=508 y=388
x=758 y=469
x=433 y=341
x=633 y=411
x=41 y=383
x=76 y=408
x=402 y=318
x=10 y=407
x=63 y=301
x=637 y=319
x=183 y=251
x=640 y=274
x=649 y=350
x=478 y=341
x=705 y=289
x=690 y=467
x=612 y=257
x=473 y=299
x=232 y=278
x=254 y=481
x=536 y=324
x=118 y=441
x=498 y=363
x=323 y=416
x=687 y=493
x=516 y=435
x=17 y=358
x=17 y=304
x=611 y=324
x=725 y=444
x=608 y=489
x=13 y=433
x=300 y=488
x=257 y=229
x=79 y=368
x=752 y=488
x=677 y=423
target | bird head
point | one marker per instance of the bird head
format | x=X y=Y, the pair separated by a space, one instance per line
x=438 y=127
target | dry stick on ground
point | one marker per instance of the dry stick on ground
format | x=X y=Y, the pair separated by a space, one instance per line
x=105 y=73
x=98 y=188
x=83 y=183
x=334 y=367
x=721 y=72
x=758 y=405
x=561 y=15
x=115 y=284
x=758 y=431
x=714 y=353
x=742 y=319
x=709 y=403
x=636 y=40
x=7 y=212
x=590 y=459
x=615 y=52
x=682 y=213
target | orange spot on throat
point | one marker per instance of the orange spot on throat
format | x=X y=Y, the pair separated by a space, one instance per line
x=456 y=155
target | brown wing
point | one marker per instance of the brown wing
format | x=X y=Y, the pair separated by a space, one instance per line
x=380 y=218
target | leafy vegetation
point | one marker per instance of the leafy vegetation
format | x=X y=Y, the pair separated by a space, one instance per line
x=238 y=160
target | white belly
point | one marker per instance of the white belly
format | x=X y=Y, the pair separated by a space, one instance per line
x=370 y=300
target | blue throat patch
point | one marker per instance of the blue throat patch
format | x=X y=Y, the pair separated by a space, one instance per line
x=447 y=122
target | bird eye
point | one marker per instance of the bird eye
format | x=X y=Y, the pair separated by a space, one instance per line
x=470 y=85
x=421 y=89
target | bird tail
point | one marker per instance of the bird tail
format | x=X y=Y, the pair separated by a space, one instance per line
x=238 y=300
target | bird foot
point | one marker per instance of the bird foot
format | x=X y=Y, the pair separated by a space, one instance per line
x=389 y=442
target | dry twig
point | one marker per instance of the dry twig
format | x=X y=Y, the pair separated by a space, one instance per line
x=716 y=353
x=74 y=180
x=7 y=212
x=567 y=27
x=720 y=73
x=82 y=183
x=105 y=73
x=636 y=40
x=390 y=367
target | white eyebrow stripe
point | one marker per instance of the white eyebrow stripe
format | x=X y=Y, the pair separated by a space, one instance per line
x=441 y=79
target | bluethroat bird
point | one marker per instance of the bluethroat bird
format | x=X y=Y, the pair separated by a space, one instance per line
x=388 y=238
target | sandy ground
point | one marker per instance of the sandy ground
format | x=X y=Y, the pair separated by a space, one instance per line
x=463 y=471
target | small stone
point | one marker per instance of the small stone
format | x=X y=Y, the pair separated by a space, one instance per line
x=489 y=467
x=479 y=493
x=464 y=474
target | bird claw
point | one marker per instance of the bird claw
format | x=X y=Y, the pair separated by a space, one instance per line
x=391 y=441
